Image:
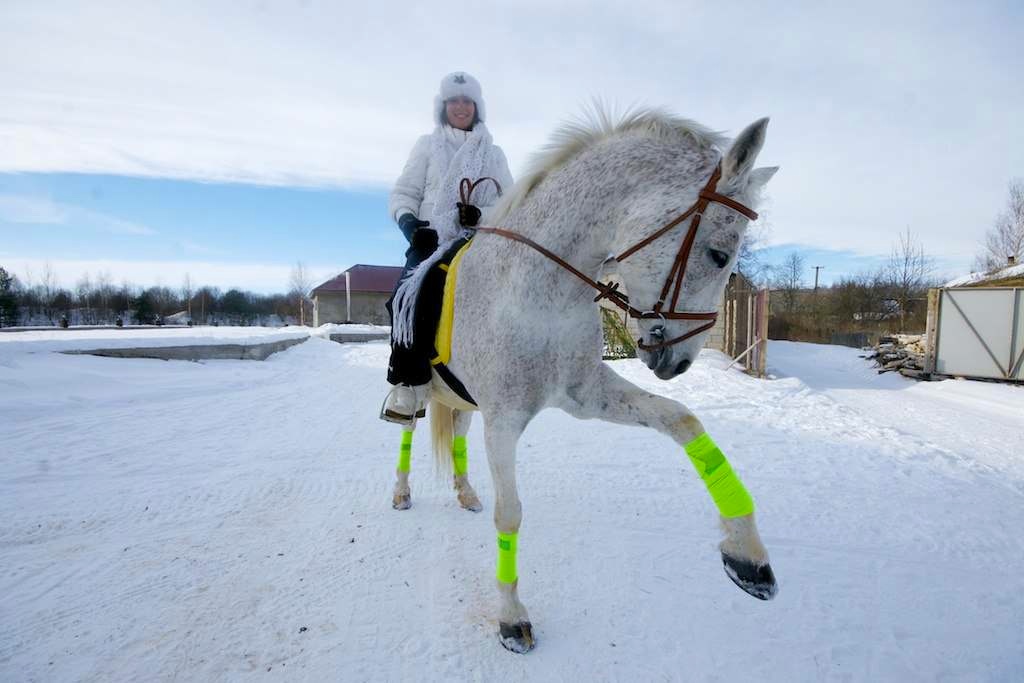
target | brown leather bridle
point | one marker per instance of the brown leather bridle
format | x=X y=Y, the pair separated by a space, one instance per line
x=674 y=280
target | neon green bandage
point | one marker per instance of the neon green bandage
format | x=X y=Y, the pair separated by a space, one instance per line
x=507 y=546
x=725 y=487
x=459 y=455
x=405 y=452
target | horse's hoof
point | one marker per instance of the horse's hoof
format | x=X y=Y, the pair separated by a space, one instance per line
x=516 y=638
x=756 y=579
x=402 y=501
x=470 y=502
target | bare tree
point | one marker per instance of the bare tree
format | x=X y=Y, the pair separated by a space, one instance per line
x=83 y=290
x=1005 y=239
x=8 y=298
x=908 y=271
x=48 y=290
x=186 y=293
x=788 y=278
x=749 y=263
x=125 y=300
x=106 y=292
x=300 y=282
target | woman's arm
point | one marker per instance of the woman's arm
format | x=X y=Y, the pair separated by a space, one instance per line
x=410 y=187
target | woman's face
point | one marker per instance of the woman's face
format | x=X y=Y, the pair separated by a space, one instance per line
x=460 y=112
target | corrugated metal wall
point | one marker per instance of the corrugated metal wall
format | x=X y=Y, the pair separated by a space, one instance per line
x=978 y=332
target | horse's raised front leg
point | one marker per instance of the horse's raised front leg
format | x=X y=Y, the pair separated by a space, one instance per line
x=501 y=435
x=463 y=490
x=612 y=398
x=401 y=499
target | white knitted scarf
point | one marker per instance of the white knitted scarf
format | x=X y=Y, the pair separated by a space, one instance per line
x=470 y=161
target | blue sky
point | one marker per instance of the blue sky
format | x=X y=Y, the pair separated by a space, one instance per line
x=147 y=140
x=232 y=234
x=835 y=263
x=106 y=223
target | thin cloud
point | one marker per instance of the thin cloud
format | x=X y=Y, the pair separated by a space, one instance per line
x=30 y=210
x=112 y=224
x=191 y=247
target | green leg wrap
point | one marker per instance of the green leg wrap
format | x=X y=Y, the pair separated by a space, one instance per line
x=725 y=487
x=459 y=455
x=507 y=547
x=405 y=452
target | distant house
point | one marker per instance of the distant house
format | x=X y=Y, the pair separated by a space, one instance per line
x=357 y=295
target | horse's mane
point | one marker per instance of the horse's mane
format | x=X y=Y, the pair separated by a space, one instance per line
x=595 y=124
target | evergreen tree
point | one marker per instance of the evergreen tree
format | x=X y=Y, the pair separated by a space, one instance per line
x=8 y=299
x=145 y=310
x=235 y=304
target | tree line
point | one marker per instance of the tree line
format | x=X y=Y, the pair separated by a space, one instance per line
x=97 y=300
x=855 y=309
x=893 y=298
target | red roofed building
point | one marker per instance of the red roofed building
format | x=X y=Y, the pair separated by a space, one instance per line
x=358 y=296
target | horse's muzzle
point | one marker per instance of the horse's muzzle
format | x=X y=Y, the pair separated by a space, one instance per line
x=659 y=358
x=664 y=366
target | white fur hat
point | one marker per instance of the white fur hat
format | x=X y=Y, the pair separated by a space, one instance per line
x=459 y=84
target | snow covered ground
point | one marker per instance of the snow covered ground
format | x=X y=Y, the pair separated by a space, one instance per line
x=231 y=520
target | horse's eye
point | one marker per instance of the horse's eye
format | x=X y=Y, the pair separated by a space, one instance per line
x=719 y=257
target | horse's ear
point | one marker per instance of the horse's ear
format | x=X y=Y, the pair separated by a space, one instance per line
x=759 y=177
x=739 y=160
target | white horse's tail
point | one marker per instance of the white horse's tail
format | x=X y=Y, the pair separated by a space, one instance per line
x=442 y=431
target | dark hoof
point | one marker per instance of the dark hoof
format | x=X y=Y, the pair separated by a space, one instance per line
x=516 y=638
x=758 y=580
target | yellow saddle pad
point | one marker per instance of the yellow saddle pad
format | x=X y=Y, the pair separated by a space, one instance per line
x=443 y=340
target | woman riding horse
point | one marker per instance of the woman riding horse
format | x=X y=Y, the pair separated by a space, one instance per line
x=425 y=205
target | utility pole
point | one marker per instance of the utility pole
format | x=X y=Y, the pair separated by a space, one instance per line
x=816 y=269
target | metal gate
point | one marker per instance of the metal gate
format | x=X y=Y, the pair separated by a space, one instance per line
x=976 y=332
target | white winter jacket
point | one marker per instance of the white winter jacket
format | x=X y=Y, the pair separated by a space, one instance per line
x=419 y=187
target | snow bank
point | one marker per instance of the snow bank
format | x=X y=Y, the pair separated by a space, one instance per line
x=38 y=341
x=325 y=331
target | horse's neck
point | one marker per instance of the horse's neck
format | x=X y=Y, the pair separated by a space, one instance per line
x=579 y=210
x=580 y=231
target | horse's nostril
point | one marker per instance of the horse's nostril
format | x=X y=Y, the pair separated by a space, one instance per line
x=683 y=366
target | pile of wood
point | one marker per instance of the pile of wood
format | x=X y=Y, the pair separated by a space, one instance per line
x=903 y=353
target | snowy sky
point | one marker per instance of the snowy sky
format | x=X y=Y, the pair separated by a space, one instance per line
x=884 y=115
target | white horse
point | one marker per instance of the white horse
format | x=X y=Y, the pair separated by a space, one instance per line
x=527 y=331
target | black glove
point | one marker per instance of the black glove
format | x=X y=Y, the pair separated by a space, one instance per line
x=408 y=224
x=424 y=241
x=469 y=215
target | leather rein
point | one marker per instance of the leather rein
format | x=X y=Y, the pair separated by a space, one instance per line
x=674 y=280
